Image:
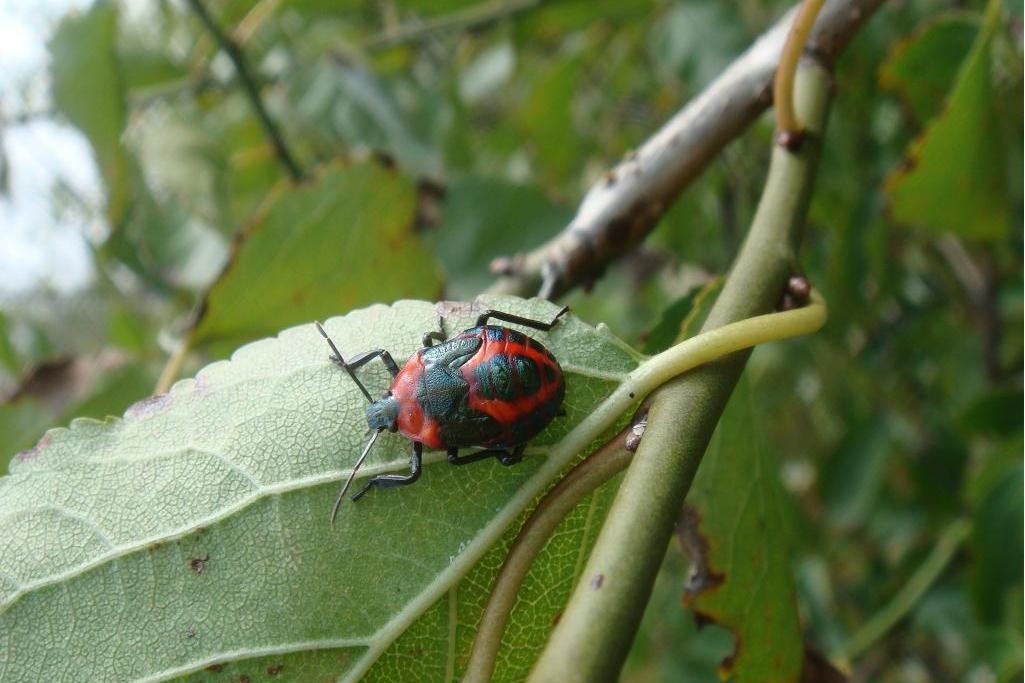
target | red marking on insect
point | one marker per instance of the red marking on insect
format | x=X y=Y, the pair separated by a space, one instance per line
x=489 y=386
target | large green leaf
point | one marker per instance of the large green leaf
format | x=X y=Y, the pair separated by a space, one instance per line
x=734 y=528
x=342 y=240
x=956 y=174
x=194 y=533
x=440 y=641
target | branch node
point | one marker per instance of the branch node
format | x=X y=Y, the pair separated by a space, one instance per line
x=791 y=140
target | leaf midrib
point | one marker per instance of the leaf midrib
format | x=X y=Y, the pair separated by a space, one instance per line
x=261 y=492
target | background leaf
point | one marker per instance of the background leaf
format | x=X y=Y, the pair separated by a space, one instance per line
x=923 y=67
x=87 y=89
x=956 y=172
x=735 y=531
x=342 y=240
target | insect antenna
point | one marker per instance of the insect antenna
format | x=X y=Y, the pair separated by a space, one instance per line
x=352 y=475
x=341 y=361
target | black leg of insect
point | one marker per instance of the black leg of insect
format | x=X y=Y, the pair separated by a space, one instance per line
x=505 y=457
x=436 y=336
x=359 y=361
x=482 y=319
x=388 y=481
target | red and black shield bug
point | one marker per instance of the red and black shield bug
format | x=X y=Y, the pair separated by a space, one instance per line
x=490 y=387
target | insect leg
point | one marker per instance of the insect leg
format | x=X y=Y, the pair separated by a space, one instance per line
x=482 y=319
x=505 y=457
x=438 y=335
x=387 y=481
x=367 y=356
x=431 y=337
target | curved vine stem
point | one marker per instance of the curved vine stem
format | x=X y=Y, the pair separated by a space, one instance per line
x=787 y=123
x=582 y=480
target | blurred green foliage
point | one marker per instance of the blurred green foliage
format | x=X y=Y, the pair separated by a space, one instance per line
x=903 y=415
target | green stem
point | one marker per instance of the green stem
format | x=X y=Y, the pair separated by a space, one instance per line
x=706 y=347
x=597 y=628
x=172 y=368
x=582 y=480
x=909 y=595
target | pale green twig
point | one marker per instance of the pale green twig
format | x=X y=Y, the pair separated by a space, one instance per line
x=909 y=595
x=596 y=630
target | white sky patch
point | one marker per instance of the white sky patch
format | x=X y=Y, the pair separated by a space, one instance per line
x=42 y=241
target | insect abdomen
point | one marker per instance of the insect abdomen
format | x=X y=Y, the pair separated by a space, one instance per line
x=515 y=380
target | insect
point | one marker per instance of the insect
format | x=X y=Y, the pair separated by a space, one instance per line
x=489 y=386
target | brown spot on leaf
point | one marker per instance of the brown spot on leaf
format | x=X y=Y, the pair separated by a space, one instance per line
x=701 y=578
x=384 y=158
x=33 y=453
x=703 y=619
x=725 y=667
x=147 y=406
x=596 y=581
x=215 y=667
x=818 y=669
x=198 y=564
x=244 y=679
x=430 y=196
x=275 y=669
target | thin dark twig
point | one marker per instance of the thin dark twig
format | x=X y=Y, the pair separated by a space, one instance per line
x=250 y=87
x=470 y=18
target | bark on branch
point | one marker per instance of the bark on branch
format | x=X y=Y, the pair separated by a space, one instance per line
x=621 y=209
